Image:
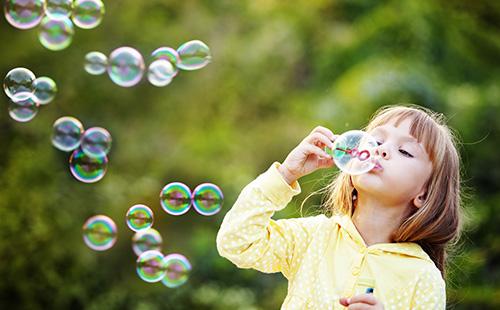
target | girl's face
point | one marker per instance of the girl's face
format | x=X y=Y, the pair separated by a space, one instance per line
x=403 y=166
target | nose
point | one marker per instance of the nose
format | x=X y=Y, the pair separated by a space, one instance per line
x=381 y=151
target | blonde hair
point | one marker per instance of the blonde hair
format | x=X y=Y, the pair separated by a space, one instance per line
x=437 y=224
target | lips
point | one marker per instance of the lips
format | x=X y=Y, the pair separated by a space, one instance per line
x=377 y=166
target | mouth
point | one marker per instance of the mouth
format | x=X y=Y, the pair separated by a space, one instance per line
x=377 y=166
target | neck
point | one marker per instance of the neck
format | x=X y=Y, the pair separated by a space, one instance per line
x=376 y=221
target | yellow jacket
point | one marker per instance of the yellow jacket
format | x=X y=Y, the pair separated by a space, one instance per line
x=323 y=258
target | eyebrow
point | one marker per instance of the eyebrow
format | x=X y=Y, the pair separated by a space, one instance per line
x=405 y=138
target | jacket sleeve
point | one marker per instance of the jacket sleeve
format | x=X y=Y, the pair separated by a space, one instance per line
x=430 y=291
x=248 y=236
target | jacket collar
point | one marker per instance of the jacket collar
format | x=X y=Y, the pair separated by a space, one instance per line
x=403 y=248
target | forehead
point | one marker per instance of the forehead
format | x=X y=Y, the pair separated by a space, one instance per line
x=402 y=128
x=413 y=123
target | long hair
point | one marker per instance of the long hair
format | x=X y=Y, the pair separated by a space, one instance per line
x=435 y=226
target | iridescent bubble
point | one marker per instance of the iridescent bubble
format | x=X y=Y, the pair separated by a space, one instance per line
x=18 y=83
x=45 y=90
x=145 y=240
x=99 y=233
x=207 y=199
x=193 y=55
x=169 y=54
x=161 y=72
x=58 y=8
x=96 y=63
x=175 y=198
x=67 y=133
x=56 y=33
x=150 y=266
x=96 y=142
x=23 y=110
x=178 y=269
x=126 y=66
x=87 y=169
x=139 y=217
x=87 y=14
x=24 y=14
x=352 y=152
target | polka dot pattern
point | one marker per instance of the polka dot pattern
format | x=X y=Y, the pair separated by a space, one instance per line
x=323 y=258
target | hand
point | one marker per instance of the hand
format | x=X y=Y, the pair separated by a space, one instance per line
x=361 y=301
x=309 y=155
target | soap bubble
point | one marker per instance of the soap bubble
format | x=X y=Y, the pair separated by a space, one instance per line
x=18 y=83
x=207 y=199
x=178 y=269
x=96 y=142
x=169 y=54
x=175 y=198
x=23 y=110
x=193 y=55
x=24 y=14
x=56 y=33
x=145 y=240
x=126 y=66
x=150 y=266
x=87 y=169
x=99 y=233
x=139 y=217
x=67 y=133
x=161 y=72
x=45 y=90
x=87 y=14
x=96 y=63
x=58 y=8
x=352 y=152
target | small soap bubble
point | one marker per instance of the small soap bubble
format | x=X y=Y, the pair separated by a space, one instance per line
x=169 y=54
x=139 y=217
x=23 y=110
x=352 y=152
x=177 y=270
x=87 y=169
x=161 y=72
x=45 y=90
x=58 y=8
x=96 y=63
x=99 y=233
x=126 y=66
x=175 y=198
x=87 y=14
x=145 y=240
x=18 y=83
x=193 y=55
x=150 y=266
x=207 y=199
x=24 y=14
x=67 y=132
x=56 y=33
x=96 y=142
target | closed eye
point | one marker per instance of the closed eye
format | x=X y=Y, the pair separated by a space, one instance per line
x=405 y=153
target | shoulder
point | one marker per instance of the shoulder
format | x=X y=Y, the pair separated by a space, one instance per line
x=309 y=223
x=430 y=274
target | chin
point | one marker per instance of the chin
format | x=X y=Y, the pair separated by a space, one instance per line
x=370 y=184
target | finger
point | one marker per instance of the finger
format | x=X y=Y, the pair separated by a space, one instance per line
x=316 y=137
x=327 y=132
x=312 y=149
x=343 y=301
x=363 y=298
x=359 y=306
x=326 y=162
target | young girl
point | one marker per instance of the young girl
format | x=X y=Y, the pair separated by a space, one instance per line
x=388 y=231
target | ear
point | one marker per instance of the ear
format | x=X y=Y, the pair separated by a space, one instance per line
x=420 y=199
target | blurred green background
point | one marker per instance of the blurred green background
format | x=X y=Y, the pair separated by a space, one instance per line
x=279 y=69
